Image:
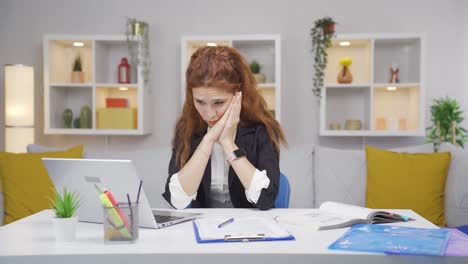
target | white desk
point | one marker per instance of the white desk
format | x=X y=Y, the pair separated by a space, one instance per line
x=31 y=240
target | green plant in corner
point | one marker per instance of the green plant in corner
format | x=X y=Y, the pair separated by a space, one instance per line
x=65 y=205
x=322 y=34
x=77 y=64
x=255 y=67
x=446 y=119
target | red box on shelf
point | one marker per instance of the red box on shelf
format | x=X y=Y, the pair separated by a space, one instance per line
x=116 y=103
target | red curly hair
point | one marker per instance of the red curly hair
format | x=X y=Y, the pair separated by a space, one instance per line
x=222 y=67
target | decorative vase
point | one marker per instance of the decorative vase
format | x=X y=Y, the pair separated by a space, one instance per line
x=345 y=76
x=76 y=123
x=67 y=118
x=381 y=123
x=85 y=117
x=335 y=126
x=353 y=124
x=77 y=77
x=259 y=77
x=65 y=228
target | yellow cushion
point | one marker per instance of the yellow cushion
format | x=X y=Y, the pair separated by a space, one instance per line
x=408 y=181
x=26 y=184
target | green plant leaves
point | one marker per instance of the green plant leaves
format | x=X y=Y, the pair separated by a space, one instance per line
x=77 y=64
x=321 y=41
x=65 y=205
x=255 y=67
x=446 y=117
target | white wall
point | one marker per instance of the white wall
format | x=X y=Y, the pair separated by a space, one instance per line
x=23 y=23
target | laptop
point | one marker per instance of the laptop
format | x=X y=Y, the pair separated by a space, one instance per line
x=117 y=176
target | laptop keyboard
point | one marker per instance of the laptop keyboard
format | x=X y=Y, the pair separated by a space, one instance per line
x=165 y=218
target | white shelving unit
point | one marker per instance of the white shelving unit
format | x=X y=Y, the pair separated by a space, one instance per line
x=266 y=49
x=101 y=56
x=383 y=108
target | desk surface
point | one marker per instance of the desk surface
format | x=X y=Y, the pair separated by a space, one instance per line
x=31 y=240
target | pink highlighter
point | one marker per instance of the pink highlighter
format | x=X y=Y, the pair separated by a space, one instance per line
x=114 y=203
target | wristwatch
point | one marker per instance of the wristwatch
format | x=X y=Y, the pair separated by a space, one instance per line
x=236 y=154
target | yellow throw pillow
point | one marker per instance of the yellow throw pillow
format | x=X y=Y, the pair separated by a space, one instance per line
x=26 y=184
x=408 y=181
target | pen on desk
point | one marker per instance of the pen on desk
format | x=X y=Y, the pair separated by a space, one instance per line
x=226 y=222
x=131 y=212
x=138 y=195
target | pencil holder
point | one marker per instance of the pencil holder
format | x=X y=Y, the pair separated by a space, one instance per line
x=121 y=223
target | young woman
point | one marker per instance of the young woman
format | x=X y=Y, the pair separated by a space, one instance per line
x=226 y=143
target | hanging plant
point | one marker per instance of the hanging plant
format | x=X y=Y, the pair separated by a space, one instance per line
x=137 y=33
x=446 y=119
x=322 y=34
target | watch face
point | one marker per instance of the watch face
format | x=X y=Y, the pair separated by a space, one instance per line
x=239 y=153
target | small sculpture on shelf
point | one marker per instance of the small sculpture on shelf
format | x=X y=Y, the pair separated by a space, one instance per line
x=85 y=117
x=77 y=74
x=67 y=118
x=335 y=126
x=353 y=124
x=381 y=123
x=394 y=70
x=76 y=123
x=255 y=68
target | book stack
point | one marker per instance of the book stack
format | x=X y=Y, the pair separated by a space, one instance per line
x=117 y=115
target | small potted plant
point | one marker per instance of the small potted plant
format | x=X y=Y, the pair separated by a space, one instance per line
x=77 y=74
x=137 y=33
x=65 y=221
x=322 y=33
x=255 y=68
x=345 y=76
x=446 y=119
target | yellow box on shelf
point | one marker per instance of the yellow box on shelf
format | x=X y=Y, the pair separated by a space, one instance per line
x=117 y=118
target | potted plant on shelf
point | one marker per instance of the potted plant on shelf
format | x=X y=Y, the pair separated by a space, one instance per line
x=137 y=33
x=65 y=221
x=255 y=68
x=77 y=74
x=446 y=119
x=322 y=33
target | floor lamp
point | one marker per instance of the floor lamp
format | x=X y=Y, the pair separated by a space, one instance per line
x=19 y=107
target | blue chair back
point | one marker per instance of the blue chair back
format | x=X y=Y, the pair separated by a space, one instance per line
x=282 y=200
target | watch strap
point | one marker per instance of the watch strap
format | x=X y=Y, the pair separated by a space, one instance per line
x=236 y=154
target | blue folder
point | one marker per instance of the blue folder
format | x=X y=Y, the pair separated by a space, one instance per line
x=244 y=238
x=393 y=240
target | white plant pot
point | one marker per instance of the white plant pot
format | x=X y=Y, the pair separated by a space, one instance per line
x=65 y=228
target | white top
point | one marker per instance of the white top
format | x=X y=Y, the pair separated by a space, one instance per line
x=219 y=184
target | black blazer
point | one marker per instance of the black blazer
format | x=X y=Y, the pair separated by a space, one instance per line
x=261 y=153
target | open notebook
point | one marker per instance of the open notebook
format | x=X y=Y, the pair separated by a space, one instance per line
x=242 y=229
x=338 y=215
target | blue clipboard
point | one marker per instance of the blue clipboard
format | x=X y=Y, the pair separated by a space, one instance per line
x=393 y=240
x=229 y=238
